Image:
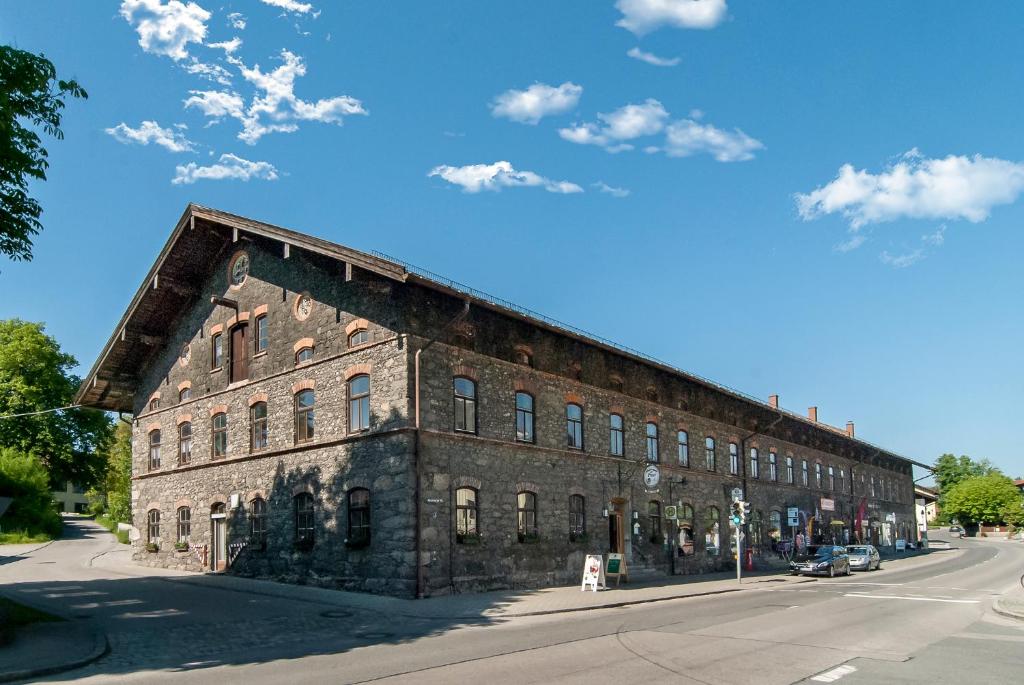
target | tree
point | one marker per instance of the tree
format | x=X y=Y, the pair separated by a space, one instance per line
x=950 y=470
x=23 y=478
x=113 y=491
x=36 y=376
x=982 y=499
x=31 y=93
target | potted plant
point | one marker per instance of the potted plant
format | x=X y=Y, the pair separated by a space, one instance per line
x=180 y=546
x=152 y=547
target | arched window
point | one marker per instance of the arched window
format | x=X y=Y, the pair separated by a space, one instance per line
x=773 y=466
x=304 y=520
x=154 y=404
x=652 y=441
x=524 y=417
x=712 y=537
x=683 y=442
x=831 y=478
x=262 y=337
x=685 y=520
x=755 y=463
x=617 y=435
x=258 y=426
x=789 y=470
x=184 y=394
x=574 y=423
x=359 y=403
x=577 y=517
x=184 y=442
x=258 y=523
x=360 y=336
x=305 y=411
x=153 y=526
x=154 y=449
x=756 y=527
x=465 y=405
x=734 y=458
x=842 y=480
x=466 y=515
x=775 y=525
x=305 y=354
x=526 y=510
x=184 y=525
x=219 y=435
x=654 y=516
x=216 y=351
x=358 y=517
x=803 y=471
x=817 y=475
x=709 y=453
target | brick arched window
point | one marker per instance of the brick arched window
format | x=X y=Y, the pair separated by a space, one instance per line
x=524 y=417
x=616 y=438
x=185 y=442
x=358 y=517
x=184 y=519
x=574 y=425
x=154 y=449
x=153 y=526
x=755 y=463
x=304 y=520
x=709 y=453
x=683 y=447
x=577 y=517
x=526 y=511
x=305 y=411
x=359 y=403
x=467 y=503
x=258 y=432
x=258 y=523
x=219 y=435
x=652 y=441
x=464 y=401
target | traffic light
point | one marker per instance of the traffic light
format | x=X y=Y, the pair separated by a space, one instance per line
x=746 y=511
x=736 y=513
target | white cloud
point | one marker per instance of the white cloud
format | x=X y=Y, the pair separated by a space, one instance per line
x=210 y=72
x=936 y=239
x=166 y=29
x=227 y=167
x=228 y=46
x=625 y=123
x=902 y=261
x=650 y=58
x=275 y=108
x=539 y=100
x=151 y=132
x=611 y=190
x=956 y=187
x=476 y=177
x=290 y=5
x=237 y=21
x=855 y=241
x=687 y=137
x=643 y=16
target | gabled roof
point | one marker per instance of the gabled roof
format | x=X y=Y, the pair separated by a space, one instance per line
x=202 y=236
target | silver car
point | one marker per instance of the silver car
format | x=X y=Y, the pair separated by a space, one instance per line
x=864 y=557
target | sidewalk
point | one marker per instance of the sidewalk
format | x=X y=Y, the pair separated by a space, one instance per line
x=1011 y=604
x=45 y=648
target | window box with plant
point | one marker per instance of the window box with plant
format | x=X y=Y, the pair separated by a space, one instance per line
x=152 y=547
x=579 y=538
x=529 y=538
x=468 y=538
x=181 y=546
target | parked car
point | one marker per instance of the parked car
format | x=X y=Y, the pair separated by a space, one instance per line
x=956 y=529
x=822 y=560
x=863 y=557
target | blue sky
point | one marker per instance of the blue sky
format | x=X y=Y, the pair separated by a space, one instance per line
x=700 y=209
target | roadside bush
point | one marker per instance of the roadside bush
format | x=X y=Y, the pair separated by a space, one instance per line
x=24 y=478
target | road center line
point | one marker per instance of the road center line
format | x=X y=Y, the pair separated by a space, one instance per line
x=913 y=599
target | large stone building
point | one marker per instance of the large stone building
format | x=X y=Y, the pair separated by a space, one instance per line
x=308 y=412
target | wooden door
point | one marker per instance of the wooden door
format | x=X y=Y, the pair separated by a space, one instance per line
x=239 y=356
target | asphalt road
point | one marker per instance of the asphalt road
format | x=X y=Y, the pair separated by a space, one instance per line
x=929 y=621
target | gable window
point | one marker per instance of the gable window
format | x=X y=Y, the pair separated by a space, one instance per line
x=831 y=479
x=305 y=354
x=239 y=353
x=219 y=429
x=262 y=334
x=185 y=442
x=654 y=515
x=154 y=404
x=524 y=357
x=773 y=467
x=817 y=475
x=734 y=458
x=617 y=435
x=789 y=470
x=185 y=394
x=258 y=523
x=304 y=534
x=577 y=517
x=217 y=354
x=153 y=526
x=304 y=415
x=258 y=426
x=683 y=447
x=574 y=424
x=803 y=472
x=526 y=516
x=709 y=453
x=524 y=417
x=359 y=337
x=358 y=516
x=359 y=403
x=466 y=515
x=154 y=449
x=184 y=525
x=712 y=532
x=652 y=441
x=465 y=405
x=755 y=463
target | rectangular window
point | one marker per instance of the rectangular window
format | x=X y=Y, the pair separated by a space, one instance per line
x=262 y=336
x=734 y=458
x=683 y=438
x=817 y=475
x=524 y=417
x=831 y=479
x=617 y=434
x=217 y=345
x=154 y=449
x=465 y=405
x=803 y=471
x=466 y=530
x=577 y=517
x=574 y=425
x=258 y=421
x=773 y=467
x=220 y=435
x=652 y=442
x=709 y=453
x=755 y=463
x=359 y=403
x=185 y=443
x=789 y=470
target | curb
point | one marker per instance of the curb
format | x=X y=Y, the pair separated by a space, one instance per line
x=997 y=606
x=100 y=648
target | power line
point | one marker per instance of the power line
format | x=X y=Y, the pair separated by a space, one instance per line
x=41 y=411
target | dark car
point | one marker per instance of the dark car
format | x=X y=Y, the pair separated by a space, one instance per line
x=956 y=529
x=863 y=557
x=822 y=560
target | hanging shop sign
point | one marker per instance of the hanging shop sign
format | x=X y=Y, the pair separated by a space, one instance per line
x=652 y=476
x=616 y=566
x=593 y=573
x=828 y=504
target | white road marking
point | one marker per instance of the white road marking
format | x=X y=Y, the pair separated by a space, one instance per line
x=880 y=584
x=835 y=674
x=913 y=599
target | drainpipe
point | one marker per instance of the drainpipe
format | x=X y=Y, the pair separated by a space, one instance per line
x=416 y=444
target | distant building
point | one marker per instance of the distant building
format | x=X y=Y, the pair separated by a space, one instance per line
x=926 y=505
x=308 y=412
x=1019 y=484
x=71 y=500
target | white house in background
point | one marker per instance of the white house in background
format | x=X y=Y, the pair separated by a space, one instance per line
x=926 y=507
x=71 y=500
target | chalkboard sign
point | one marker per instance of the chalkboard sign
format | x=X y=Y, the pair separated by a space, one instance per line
x=616 y=566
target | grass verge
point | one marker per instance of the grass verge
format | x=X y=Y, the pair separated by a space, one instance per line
x=14 y=616
x=20 y=537
x=111 y=525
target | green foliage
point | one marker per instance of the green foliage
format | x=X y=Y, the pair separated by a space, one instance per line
x=35 y=375
x=981 y=499
x=31 y=94
x=112 y=494
x=1013 y=513
x=23 y=478
x=106 y=522
x=950 y=470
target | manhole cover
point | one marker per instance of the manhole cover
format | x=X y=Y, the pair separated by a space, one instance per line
x=336 y=613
